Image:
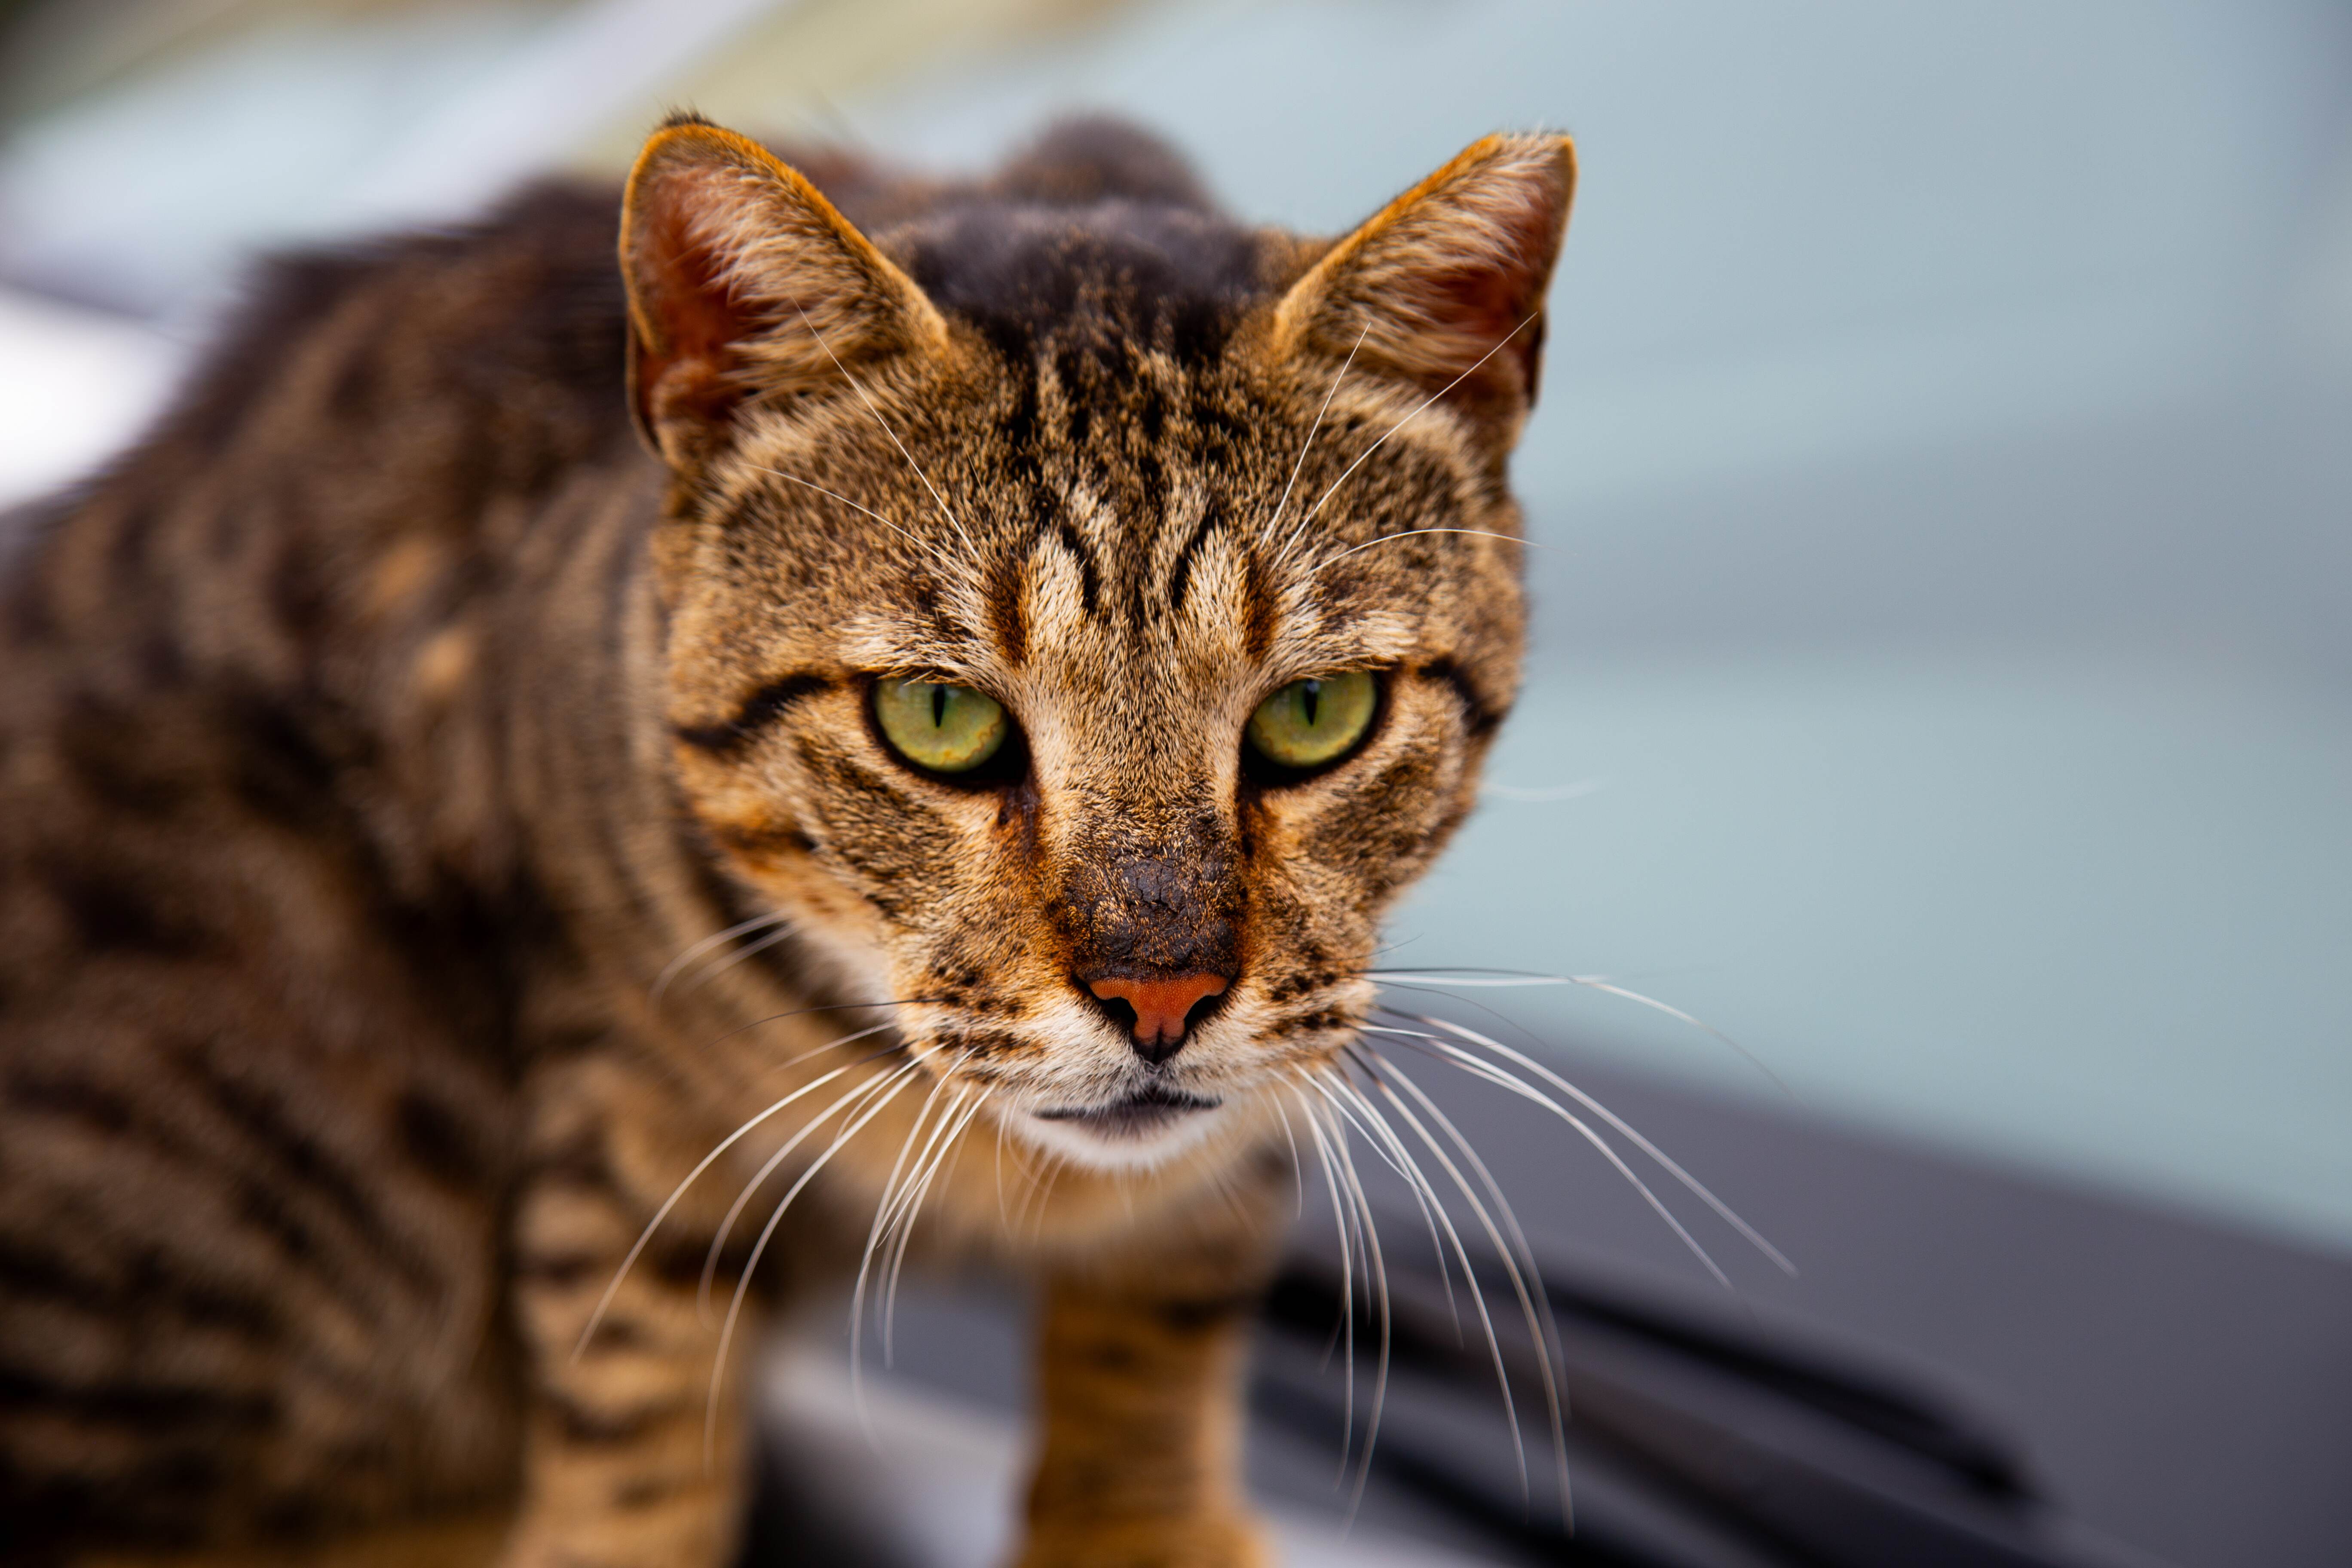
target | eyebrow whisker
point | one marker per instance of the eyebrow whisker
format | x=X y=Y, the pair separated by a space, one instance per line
x=859 y=387
x=1410 y=533
x=1304 y=447
x=916 y=540
x=1416 y=413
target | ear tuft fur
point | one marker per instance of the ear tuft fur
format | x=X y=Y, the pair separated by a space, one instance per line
x=745 y=283
x=1445 y=285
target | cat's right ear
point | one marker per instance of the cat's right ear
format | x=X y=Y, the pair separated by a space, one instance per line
x=744 y=283
x=1445 y=287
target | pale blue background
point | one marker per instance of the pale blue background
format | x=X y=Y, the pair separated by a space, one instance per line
x=1944 y=479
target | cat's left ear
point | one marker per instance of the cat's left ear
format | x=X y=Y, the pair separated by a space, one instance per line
x=1445 y=285
x=745 y=283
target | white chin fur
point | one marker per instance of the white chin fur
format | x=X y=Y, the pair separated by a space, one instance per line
x=1082 y=1146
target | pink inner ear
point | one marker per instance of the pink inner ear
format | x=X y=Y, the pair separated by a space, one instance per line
x=1464 y=282
x=694 y=317
x=1474 y=341
x=1488 y=303
x=1482 y=303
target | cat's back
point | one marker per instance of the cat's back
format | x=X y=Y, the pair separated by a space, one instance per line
x=256 y=1023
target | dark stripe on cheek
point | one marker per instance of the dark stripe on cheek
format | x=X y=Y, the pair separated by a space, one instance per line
x=1180 y=579
x=762 y=709
x=1480 y=715
x=1009 y=614
x=1257 y=607
x=1089 y=584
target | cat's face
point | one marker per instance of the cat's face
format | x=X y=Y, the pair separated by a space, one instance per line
x=1042 y=639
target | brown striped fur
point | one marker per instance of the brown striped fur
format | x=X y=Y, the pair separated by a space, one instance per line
x=376 y=734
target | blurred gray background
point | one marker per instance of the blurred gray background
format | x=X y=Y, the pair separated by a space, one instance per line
x=1942 y=681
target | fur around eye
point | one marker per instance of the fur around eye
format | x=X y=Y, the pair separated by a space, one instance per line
x=941 y=727
x=1315 y=722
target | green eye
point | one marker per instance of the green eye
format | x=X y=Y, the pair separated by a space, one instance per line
x=1310 y=722
x=947 y=729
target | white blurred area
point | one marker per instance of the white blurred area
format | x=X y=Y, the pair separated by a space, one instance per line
x=204 y=133
x=1941 y=478
x=944 y=1490
x=77 y=384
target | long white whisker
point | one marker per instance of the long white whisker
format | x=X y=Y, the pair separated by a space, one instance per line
x=743 y=1281
x=1298 y=1170
x=1027 y=1173
x=1631 y=1134
x=1376 y=1270
x=907 y=1225
x=1055 y=1162
x=805 y=1011
x=1401 y=1163
x=897 y=1194
x=1305 y=447
x=1376 y=1129
x=718 y=967
x=859 y=387
x=743 y=1199
x=1414 y=532
x=920 y=542
x=1510 y=1219
x=1393 y=1154
x=604 y=1302
x=1409 y=418
x=1556 y=1353
x=1601 y=983
x=1596 y=982
x=1517 y=1258
x=1346 y=1326
x=894 y=1216
x=669 y=971
x=1487 y=1072
x=883 y=1206
x=1497 y=982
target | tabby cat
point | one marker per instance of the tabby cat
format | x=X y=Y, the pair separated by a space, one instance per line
x=907 y=695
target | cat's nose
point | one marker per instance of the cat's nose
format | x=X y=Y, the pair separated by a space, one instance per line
x=1158 y=1011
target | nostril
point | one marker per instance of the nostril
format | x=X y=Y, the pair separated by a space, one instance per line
x=1121 y=1010
x=1158 y=1011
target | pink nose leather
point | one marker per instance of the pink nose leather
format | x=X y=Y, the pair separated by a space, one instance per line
x=1160 y=1005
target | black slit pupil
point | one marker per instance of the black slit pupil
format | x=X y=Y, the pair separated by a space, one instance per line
x=938 y=707
x=1309 y=694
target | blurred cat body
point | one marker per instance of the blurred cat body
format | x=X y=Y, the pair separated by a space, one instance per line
x=431 y=826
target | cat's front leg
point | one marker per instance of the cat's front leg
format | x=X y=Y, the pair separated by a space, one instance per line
x=625 y=1465
x=1140 y=1367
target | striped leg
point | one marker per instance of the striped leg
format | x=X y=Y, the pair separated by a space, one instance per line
x=1140 y=1379
x=625 y=1467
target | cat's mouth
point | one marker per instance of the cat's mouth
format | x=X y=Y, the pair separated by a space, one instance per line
x=1148 y=1110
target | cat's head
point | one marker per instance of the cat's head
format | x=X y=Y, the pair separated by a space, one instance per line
x=1084 y=614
